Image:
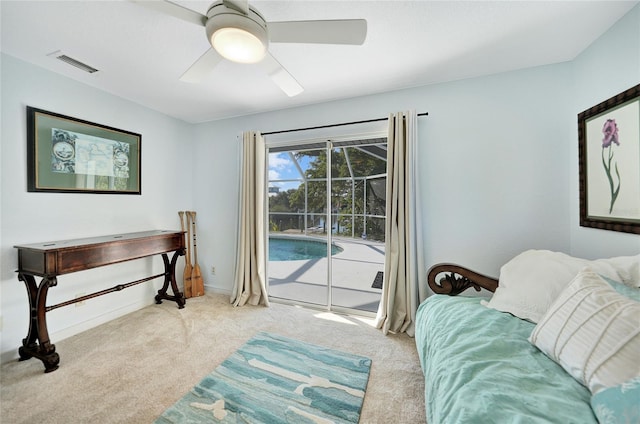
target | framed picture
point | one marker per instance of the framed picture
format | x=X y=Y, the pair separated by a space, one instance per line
x=609 y=155
x=69 y=155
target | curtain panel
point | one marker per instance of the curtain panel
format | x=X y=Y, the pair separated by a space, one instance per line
x=250 y=274
x=404 y=283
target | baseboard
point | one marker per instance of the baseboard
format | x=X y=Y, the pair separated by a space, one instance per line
x=217 y=290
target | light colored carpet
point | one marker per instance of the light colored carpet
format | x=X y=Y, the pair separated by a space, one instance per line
x=131 y=369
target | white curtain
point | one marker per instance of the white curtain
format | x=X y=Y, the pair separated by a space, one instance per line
x=250 y=276
x=404 y=283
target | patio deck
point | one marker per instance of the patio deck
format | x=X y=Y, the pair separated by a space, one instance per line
x=353 y=272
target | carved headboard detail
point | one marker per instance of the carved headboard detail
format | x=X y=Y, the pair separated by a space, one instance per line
x=457 y=279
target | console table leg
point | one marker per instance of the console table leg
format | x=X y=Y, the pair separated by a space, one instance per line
x=170 y=278
x=37 y=343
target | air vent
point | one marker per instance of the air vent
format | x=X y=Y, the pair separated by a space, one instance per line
x=73 y=62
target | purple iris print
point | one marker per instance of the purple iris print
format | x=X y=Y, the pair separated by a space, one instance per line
x=610 y=131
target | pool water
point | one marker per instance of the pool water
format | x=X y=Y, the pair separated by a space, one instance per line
x=295 y=249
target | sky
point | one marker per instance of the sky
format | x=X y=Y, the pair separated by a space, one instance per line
x=281 y=167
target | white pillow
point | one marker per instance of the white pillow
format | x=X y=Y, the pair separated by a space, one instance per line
x=627 y=267
x=530 y=282
x=593 y=332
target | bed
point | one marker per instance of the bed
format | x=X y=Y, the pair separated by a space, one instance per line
x=481 y=366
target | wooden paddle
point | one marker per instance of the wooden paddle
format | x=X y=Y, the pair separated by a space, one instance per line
x=196 y=276
x=188 y=270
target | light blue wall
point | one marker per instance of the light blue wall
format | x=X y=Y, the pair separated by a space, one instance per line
x=499 y=157
x=34 y=217
x=493 y=171
x=610 y=66
x=499 y=174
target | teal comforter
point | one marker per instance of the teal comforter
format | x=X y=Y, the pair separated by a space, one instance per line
x=480 y=368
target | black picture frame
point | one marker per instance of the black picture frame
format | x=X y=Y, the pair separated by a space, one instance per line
x=609 y=163
x=70 y=155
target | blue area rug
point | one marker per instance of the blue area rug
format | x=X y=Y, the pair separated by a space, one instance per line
x=275 y=379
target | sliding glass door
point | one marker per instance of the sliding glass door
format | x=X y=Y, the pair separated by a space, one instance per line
x=298 y=236
x=358 y=223
x=326 y=223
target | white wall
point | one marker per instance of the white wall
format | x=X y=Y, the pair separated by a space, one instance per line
x=493 y=178
x=610 y=66
x=499 y=157
x=34 y=217
x=499 y=175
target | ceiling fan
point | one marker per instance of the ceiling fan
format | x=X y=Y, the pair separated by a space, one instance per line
x=237 y=32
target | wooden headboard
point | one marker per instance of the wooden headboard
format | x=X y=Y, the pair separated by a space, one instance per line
x=457 y=279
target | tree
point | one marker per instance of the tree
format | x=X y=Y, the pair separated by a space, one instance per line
x=343 y=184
x=281 y=207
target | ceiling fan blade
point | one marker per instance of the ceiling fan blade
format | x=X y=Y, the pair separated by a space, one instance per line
x=281 y=76
x=241 y=6
x=340 y=31
x=174 y=10
x=202 y=67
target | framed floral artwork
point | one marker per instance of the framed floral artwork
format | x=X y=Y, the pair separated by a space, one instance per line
x=609 y=163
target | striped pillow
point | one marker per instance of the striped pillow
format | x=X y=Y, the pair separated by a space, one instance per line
x=593 y=332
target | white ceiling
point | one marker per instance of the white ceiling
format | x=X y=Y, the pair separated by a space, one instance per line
x=141 y=53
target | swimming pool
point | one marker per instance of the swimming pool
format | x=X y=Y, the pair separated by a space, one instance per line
x=297 y=248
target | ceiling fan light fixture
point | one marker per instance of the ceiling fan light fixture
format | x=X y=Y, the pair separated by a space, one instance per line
x=238 y=45
x=235 y=36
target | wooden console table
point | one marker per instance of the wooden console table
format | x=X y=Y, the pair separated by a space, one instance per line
x=51 y=259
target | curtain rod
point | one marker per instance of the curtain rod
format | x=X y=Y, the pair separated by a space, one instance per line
x=333 y=125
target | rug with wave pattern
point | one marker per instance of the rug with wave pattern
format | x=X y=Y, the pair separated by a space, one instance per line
x=275 y=379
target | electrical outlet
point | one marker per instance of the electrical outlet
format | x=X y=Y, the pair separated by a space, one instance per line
x=213 y=270
x=82 y=302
